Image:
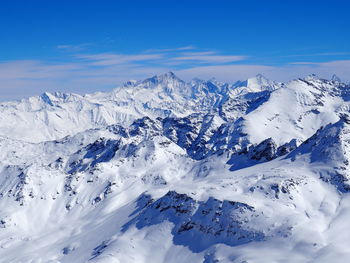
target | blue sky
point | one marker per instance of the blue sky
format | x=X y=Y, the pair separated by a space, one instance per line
x=84 y=46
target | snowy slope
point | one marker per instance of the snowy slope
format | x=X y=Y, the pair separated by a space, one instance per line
x=166 y=171
x=301 y=107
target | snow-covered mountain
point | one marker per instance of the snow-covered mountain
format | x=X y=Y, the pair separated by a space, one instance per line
x=162 y=170
x=55 y=115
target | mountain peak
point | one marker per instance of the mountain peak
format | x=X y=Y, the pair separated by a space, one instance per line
x=335 y=78
x=168 y=76
x=195 y=81
x=163 y=78
x=259 y=83
x=130 y=82
x=260 y=77
x=312 y=77
x=51 y=98
x=260 y=80
x=47 y=97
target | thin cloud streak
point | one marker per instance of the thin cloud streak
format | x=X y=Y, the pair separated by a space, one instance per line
x=73 y=48
x=303 y=63
x=210 y=58
x=198 y=53
x=203 y=57
x=320 y=54
x=107 y=59
x=171 y=49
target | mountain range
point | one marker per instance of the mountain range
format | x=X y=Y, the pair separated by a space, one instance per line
x=164 y=170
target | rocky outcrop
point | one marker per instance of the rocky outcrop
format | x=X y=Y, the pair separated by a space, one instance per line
x=199 y=224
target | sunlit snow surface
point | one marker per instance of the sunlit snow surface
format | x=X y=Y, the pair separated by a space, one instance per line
x=166 y=171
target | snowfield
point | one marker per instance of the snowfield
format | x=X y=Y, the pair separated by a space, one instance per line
x=161 y=170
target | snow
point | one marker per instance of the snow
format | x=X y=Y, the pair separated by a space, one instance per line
x=162 y=170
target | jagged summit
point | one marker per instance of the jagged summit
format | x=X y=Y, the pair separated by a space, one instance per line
x=257 y=84
x=335 y=78
x=315 y=77
x=261 y=78
x=166 y=78
x=170 y=75
x=130 y=82
x=58 y=97
x=312 y=77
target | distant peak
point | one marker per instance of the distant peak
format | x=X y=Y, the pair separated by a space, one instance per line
x=260 y=77
x=335 y=78
x=167 y=82
x=45 y=94
x=130 y=82
x=311 y=77
x=47 y=97
x=167 y=75
x=53 y=98
x=198 y=80
x=170 y=74
x=257 y=84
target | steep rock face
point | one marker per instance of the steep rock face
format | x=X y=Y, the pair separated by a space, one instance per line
x=265 y=151
x=199 y=225
x=101 y=150
x=237 y=105
x=196 y=133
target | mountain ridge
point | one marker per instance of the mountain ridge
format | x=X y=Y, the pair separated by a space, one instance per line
x=55 y=115
x=215 y=173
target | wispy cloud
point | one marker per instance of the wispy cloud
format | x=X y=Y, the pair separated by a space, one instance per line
x=108 y=59
x=199 y=53
x=25 y=78
x=208 y=58
x=172 y=57
x=171 y=49
x=74 y=48
x=320 y=54
x=303 y=63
